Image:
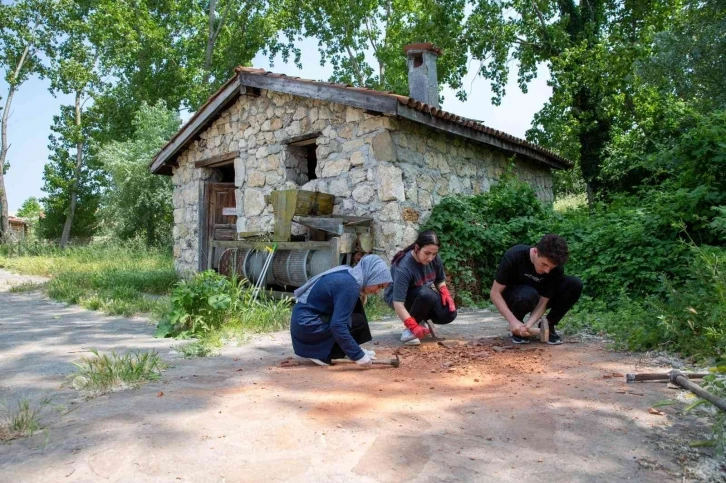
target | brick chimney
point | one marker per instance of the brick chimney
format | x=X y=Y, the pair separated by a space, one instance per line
x=423 y=83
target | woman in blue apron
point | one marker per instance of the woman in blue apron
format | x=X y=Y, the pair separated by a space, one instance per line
x=328 y=320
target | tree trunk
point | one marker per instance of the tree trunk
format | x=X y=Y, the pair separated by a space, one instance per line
x=4 y=147
x=4 y=220
x=592 y=139
x=76 y=176
x=210 y=43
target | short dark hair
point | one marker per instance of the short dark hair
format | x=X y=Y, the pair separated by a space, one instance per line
x=553 y=248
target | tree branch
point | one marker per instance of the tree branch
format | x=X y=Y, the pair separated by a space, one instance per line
x=356 y=67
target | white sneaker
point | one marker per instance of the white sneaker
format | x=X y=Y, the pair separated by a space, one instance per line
x=319 y=362
x=408 y=338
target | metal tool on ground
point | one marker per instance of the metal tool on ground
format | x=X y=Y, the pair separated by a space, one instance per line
x=434 y=331
x=385 y=362
x=681 y=379
x=261 y=282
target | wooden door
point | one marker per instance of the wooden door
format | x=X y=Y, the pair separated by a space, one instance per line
x=219 y=208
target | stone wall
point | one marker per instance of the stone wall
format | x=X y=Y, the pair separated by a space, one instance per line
x=392 y=170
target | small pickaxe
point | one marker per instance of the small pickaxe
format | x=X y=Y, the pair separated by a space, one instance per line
x=386 y=362
x=434 y=331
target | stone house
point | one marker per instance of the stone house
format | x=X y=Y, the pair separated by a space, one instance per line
x=382 y=155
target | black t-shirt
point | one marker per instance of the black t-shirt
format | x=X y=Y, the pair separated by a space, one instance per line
x=408 y=273
x=516 y=268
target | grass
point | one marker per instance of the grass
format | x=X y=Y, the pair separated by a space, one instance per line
x=376 y=308
x=118 y=279
x=24 y=420
x=103 y=373
x=26 y=287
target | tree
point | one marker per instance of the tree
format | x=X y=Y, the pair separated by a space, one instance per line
x=75 y=70
x=177 y=51
x=30 y=211
x=25 y=35
x=590 y=48
x=139 y=203
x=60 y=177
x=689 y=57
x=349 y=30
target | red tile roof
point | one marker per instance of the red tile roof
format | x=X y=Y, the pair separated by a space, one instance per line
x=168 y=151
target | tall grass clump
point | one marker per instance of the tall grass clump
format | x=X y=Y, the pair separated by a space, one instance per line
x=116 y=278
x=215 y=308
x=102 y=373
x=22 y=420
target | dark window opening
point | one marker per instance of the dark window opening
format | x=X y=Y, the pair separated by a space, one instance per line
x=225 y=173
x=301 y=160
x=312 y=161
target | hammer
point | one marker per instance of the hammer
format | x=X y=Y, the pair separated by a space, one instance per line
x=543 y=333
x=386 y=362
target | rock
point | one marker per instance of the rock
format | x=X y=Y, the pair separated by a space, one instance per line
x=383 y=147
x=334 y=168
x=363 y=194
x=254 y=202
x=357 y=158
x=256 y=179
x=390 y=183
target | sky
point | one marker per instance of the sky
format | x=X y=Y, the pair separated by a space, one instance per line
x=33 y=108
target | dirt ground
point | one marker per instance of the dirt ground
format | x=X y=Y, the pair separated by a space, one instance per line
x=474 y=408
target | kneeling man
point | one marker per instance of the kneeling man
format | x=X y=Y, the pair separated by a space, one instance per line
x=531 y=280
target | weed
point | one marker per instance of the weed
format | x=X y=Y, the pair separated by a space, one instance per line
x=113 y=278
x=211 y=305
x=200 y=348
x=25 y=420
x=102 y=373
x=26 y=287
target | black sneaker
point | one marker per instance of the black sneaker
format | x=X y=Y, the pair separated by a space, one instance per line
x=519 y=340
x=554 y=338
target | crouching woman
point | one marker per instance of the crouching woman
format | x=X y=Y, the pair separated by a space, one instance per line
x=419 y=294
x=328 y=320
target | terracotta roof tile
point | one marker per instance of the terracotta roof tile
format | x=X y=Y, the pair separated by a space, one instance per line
x=404 y=100
x=425 y=108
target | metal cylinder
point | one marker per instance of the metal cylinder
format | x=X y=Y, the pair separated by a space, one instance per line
x=319 y=262
x=232 y=262
x=289 y=267
x=254 y=262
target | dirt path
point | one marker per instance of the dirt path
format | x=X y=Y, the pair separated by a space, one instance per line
x=478 y=411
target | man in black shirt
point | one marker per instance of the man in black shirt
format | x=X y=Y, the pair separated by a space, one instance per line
x=530 y=280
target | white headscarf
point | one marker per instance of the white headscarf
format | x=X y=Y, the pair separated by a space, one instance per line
x=371 y=270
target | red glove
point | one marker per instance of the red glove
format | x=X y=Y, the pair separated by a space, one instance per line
x=417 y=331
x=446 y=298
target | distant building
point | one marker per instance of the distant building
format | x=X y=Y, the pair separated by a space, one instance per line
x=18 y=228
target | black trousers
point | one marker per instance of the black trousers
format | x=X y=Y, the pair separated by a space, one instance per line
x=424 y=303
x=359 y=330
x=522 y=299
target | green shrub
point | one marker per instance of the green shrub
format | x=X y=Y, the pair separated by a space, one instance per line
x=475 y=231
x=210 y=302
